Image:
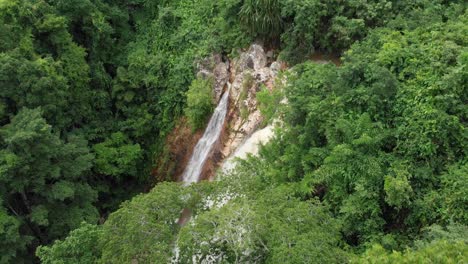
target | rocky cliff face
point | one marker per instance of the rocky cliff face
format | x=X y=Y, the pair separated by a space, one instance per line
x=254 y=69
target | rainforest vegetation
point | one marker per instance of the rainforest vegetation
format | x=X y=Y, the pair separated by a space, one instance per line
x=368 y=164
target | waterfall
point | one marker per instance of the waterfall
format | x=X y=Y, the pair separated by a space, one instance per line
x=205 y=144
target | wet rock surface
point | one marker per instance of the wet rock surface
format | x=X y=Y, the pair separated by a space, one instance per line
x=217 y=68
x=253 y=70
x=249 y=74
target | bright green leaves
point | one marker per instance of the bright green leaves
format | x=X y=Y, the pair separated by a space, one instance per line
x=440 y=251
x=298 y=231
x=353 y=179
x=268 y=226
x=454 y=193
x=301 y=37
x=50 y=72
x=28 y=134
x=398 y=190
x=438 y=245
x=269 y=102
x=32 y=84
x=144 y=228
x=117 y=156
x=233 y=221
x=37 y=148
x=51 y=23
x=393 y=51
x=312 y=25
x=62 y=190
x=199 y=102
x=367 y=87
x=80 y=247
x=374 y=137
x=262 y=17
x=347 y=30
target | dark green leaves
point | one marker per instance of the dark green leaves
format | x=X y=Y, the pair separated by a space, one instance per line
x=117 y=156
x=42 y=177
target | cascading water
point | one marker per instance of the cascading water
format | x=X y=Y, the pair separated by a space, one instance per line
x=205 y=144
x=200 y=155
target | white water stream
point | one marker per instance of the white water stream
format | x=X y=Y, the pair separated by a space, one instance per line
x=205 y=144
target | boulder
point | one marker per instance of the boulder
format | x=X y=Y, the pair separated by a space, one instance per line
x=254 y=58
x=214 y=67
x=275 y=67
x=221 y=78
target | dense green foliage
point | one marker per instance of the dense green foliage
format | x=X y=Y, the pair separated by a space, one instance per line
x=80 y=247
x=303 y=27
x=436 y=252
x=105 y=81
x=199 y=102
x=269 y=102
x=368 y=165
x=57 y=198
x=437 y=246
x=382 y=139
x=382 y=131
x=262 y=17
x=269 y=226
x=11 y=240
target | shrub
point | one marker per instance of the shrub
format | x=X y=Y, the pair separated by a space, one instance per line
x=262 y=18
x=199 y=102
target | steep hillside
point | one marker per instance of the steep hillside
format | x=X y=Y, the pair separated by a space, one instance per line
x=362 y=106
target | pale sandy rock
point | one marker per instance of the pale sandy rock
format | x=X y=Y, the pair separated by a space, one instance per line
x=254 y=58
x=264 y=74
x=238 y=84
x=248 y=73
x=250 y=146
x=241 y=129
x=270 y=54
x=275 y=67
x=214 y=67
x=221 y=77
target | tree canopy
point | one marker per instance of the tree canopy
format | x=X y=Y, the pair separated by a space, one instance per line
x=368 y=164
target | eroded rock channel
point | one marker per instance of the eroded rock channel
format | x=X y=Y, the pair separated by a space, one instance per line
x=238 y=81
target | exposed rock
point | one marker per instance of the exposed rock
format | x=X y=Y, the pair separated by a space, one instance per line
x=249 y=146
x=179 y=146
x=270 y=54
x=264 y=74
x=248 y=73
x=221 y=77
x=275 y=67
x=214 y=67
x=245 y=75
x=240 y=130
x=254 y=58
